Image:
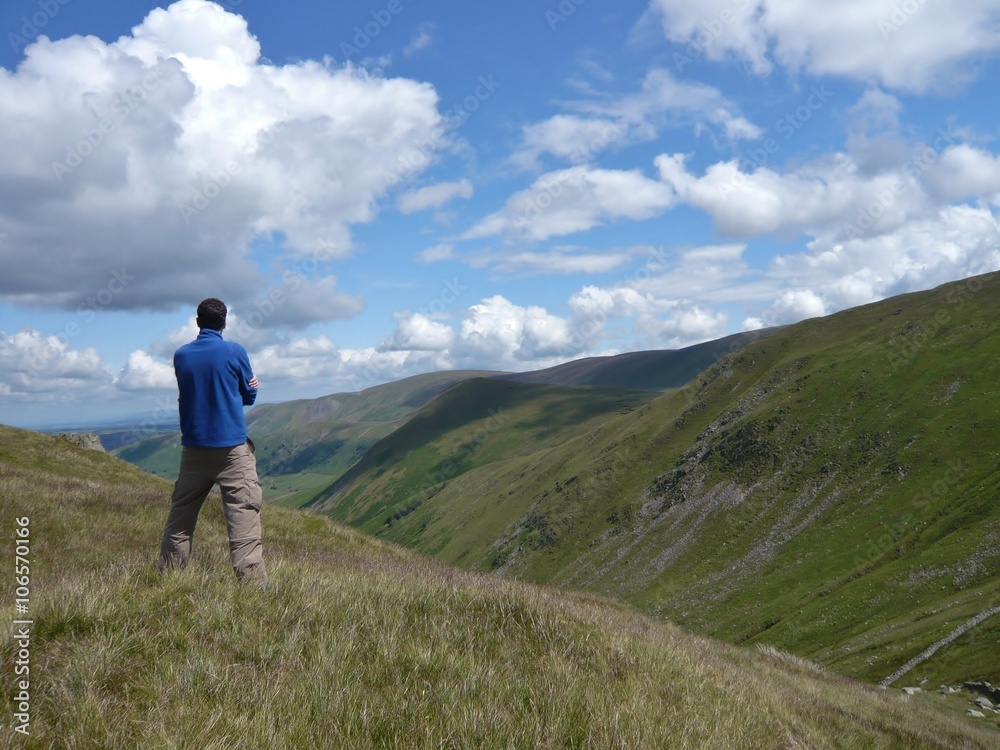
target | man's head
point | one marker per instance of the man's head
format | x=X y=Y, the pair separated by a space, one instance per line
x=212 y=314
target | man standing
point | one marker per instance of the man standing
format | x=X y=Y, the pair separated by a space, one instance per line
x=215 y=382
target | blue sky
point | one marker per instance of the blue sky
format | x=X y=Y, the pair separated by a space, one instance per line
x=387 y=188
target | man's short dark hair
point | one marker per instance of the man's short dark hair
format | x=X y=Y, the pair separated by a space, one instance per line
x=212 y=314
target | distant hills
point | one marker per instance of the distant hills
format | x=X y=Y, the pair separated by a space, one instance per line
x=304 y=445
x=362 y=644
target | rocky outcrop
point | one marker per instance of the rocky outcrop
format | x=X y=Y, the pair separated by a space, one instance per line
x=89 y=440
x=984 y=689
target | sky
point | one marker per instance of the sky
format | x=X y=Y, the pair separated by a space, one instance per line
x=381 y=189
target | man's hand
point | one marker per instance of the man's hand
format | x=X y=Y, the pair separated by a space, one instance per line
x=253 y=382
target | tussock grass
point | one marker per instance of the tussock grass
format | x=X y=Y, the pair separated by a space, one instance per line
x=361 y=644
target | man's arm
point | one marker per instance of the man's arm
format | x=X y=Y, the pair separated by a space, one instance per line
x=248 y=381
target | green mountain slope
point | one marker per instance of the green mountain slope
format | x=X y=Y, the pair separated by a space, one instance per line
x=303 y=445
x=473 y=424
x=831 y=489
x=362 y=644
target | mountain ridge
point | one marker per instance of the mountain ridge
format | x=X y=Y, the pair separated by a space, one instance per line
x=305 y=444
x=767 y=502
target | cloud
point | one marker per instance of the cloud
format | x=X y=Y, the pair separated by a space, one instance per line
x=296 y=303
x=690 y=324
x=316 y=362
x=46 y=367
x=965 y=172
x=954 y=243
x=600 y=122
x=434 y=196
x=417 y=332
x=571 y=137
x=556 y=260
x=829 y=192
x=576 y=199
x=500 y=332
x=908 y=46
x=662 y=318
x=437 y=253
x=422 y=38
x=144 y=373
x=166 y=152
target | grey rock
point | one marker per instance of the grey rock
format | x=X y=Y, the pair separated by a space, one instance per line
x=975 y=714
x=88 y=440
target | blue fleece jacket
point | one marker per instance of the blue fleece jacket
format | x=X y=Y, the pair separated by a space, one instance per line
x=213 y=377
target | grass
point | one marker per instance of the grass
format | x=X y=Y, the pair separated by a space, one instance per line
x=801 y=493
x=362 y=644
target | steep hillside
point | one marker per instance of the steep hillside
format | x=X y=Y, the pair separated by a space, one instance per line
x=830 y=489
x=471 y=425
x=303 y=445
x=361 y=644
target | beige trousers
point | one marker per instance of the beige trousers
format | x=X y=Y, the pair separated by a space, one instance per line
x=235 y=471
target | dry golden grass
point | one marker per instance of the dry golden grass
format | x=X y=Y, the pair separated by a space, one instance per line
x=359 y=644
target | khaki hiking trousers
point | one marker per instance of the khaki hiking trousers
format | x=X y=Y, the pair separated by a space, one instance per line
x=235 y=471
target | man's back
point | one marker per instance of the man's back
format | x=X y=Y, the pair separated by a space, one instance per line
x=213 y=379
x=215 y=382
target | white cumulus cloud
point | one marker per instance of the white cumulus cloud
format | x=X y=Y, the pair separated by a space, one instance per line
x=576 y=199
x=166 y=152
x=912 y=45
x=142 y=372
x=47 y=367
x=434 y=196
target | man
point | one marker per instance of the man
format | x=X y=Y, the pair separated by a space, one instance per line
x=215 y=382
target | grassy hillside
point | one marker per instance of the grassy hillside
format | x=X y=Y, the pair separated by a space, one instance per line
x=473 y=424
x=830 y=489
x=361 y=644
x=303 y=445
